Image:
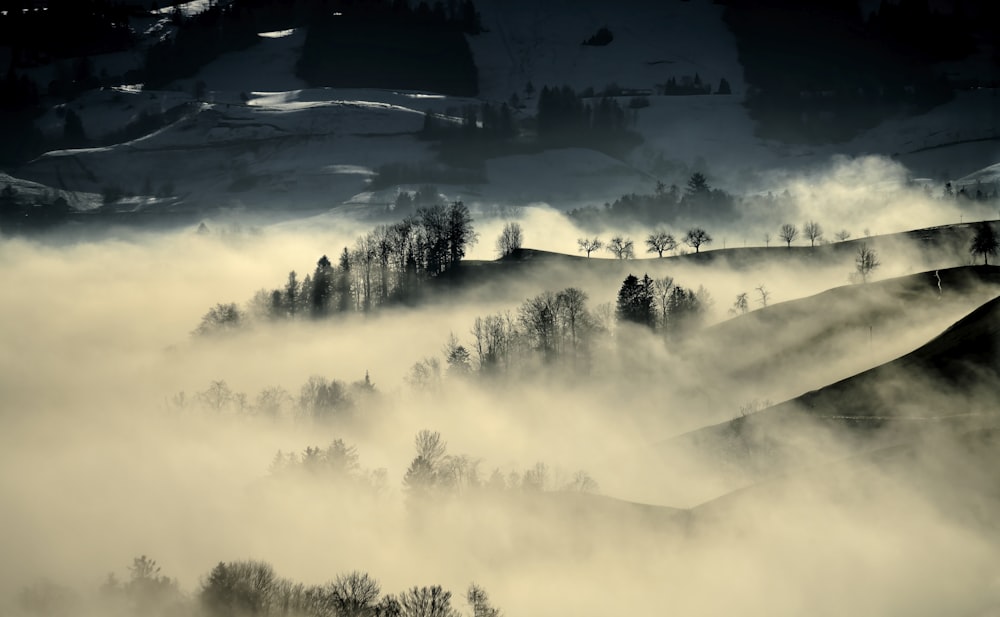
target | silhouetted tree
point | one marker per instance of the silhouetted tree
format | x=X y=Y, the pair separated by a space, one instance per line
x=239 y=588
x=321 y=287
x=697 y=185
x=458 y=358
x=220 y=319
x=422 y=475
x=813 y=231
x=696 y=237
x=724 y=87
x=621 y=248
x=866 y=261
x=354 y=594
x=635 y=301
x=479 y=601
x=741 y=305
x=426 y=602
x=842 y=236
x=292 y=293
x=984 y=242
x=538 y=316
x=589 y=245
x=788 y=233
x=660 y=241
x=684 y=311
x=510 y=239
x=764 y=295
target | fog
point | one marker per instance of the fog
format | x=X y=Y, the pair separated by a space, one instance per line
x=102 y=459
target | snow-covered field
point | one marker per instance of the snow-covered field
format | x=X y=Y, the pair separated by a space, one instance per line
x=260 y=138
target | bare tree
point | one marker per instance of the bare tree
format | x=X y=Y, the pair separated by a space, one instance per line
x=866 y=261
x=538 y=316
x=659 y=242
x=494 y=336
x=764 y=295
x=741 y=305
x=767 y=239
x=589 y=245
x=621 y=248
x=510 y=239
x=813 y=231
x=354 y=594
x=842 y=236
x=426 y=602
x=661 y=290
x=221 y=319
x=430 y=447
x=788 y=233
x=696 y=237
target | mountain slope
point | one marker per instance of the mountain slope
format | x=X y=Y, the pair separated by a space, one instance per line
x=950 y=381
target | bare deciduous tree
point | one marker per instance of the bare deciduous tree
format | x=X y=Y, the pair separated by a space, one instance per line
x=621 y=248
x=764 y=295
x=842 y=236
x=866 y=262
x=661 y=291
x=354 y=594
x=788 y=233
x=510 y=239
x=660 y=242
x=696 y=237
x=813 y=231
x=589 y=245
x=426 y=602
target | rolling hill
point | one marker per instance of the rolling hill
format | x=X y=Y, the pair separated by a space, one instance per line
x=947 y=384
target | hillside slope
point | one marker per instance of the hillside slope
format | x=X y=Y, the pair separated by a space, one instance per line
x=950 y=382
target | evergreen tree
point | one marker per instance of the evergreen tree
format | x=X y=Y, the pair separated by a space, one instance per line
x=635 y=301
x=985 y=242
x=322 y=287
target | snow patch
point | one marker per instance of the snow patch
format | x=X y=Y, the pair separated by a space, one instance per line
x=276 y=34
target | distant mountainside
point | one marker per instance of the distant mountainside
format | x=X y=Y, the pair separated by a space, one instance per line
x=195 y=75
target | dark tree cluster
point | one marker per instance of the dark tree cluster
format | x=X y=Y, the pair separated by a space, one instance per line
x=248 y=587
x=564 y=119
x=484 y=122
x=698 y=201
x=660 y=305
x=433 y=474
x=978 y=192
x=389 y=264
x=550 y=329
x=319 y=399
x=824 y=74
x=691 y=85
